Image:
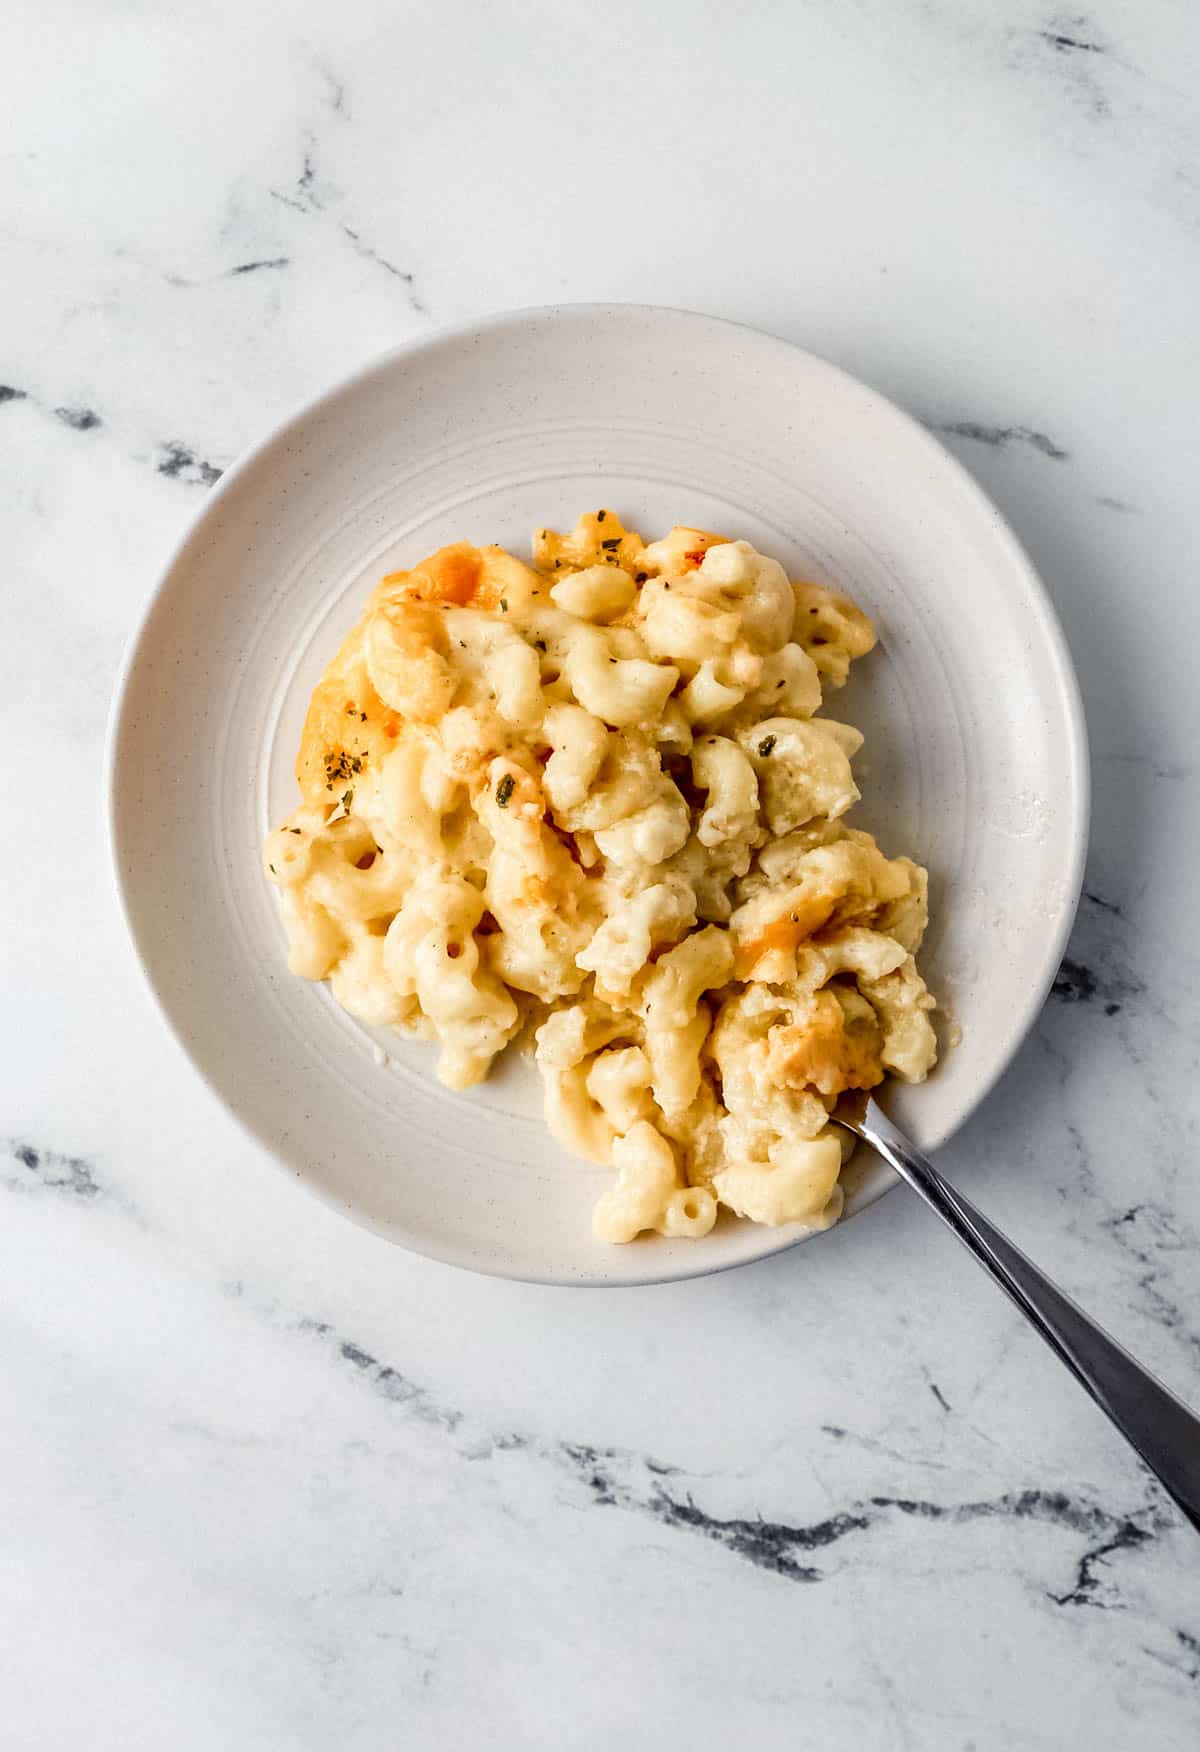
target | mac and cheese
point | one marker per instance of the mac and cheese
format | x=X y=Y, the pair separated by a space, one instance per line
x=592 y=802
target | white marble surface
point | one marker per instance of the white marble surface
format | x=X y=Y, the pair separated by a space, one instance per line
x=267 y=1483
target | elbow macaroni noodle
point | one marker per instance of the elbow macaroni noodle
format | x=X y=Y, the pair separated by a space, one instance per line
x=592 y=802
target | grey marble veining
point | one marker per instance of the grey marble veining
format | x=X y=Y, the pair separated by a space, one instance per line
x=271 y=1484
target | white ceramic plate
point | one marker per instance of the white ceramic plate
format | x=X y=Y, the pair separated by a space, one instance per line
x=975 y=761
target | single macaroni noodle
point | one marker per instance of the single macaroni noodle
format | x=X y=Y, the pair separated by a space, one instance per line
x=593 y=802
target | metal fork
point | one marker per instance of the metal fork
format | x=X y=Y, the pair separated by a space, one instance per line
x=1159 y=1426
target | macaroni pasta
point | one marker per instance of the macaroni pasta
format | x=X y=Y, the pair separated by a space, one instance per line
x=592 y=802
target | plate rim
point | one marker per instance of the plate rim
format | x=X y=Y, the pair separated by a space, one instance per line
x=1068 y=693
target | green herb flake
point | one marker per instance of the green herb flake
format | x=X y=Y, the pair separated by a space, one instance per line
x=504 y=790
x=503 y=606
x=272 y=869
x=766 y=745
x=342 y=766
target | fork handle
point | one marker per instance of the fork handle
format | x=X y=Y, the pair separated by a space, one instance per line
x=1159 y=1426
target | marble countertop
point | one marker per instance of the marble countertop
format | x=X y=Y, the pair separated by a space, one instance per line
x=270 y=1484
